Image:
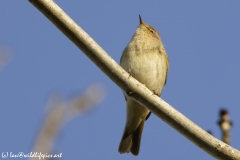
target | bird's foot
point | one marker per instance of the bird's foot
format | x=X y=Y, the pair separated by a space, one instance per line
x=155 y=93
x=129 y=93
x=129 y=76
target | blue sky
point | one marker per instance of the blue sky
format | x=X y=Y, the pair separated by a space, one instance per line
x=202 y=40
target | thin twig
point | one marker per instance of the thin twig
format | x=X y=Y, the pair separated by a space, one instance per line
x=225 y=125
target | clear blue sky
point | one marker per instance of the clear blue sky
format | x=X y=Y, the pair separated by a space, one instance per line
x=202 y=40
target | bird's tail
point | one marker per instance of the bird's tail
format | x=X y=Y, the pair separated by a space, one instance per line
x=131 y=142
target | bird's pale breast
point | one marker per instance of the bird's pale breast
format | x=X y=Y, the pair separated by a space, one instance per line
x=147 y=66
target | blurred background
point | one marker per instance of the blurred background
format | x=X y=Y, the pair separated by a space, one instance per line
x=37 y=62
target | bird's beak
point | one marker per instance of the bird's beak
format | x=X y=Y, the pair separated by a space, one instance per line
x=140 y=19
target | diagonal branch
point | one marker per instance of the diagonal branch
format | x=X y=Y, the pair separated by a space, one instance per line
x=143 y=95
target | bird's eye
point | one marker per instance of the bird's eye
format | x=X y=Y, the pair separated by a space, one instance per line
x=151 y=30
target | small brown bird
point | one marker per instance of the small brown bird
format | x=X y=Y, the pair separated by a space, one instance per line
x=146 y=60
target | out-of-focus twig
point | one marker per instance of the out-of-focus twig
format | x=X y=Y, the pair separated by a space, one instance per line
x=92 y=96
x=5 y=56
x=225 y=125
x=62 y=112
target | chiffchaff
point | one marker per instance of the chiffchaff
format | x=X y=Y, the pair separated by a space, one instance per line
x=146 y=60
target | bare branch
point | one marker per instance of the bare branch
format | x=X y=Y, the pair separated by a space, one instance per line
x=83 y=41
x=225 y=125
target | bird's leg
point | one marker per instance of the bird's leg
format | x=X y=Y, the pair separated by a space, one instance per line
x=129 y=76
x=129 y=93
x=155 y=93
